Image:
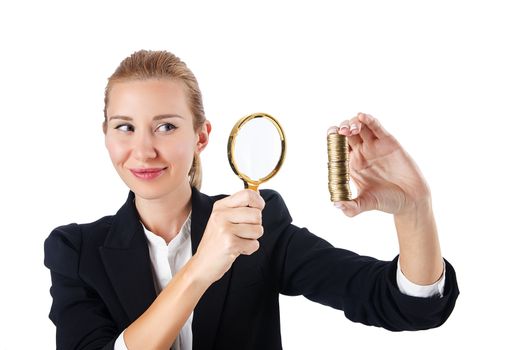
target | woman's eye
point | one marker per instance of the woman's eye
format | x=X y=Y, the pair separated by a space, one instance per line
x=165 y=127
x=125 y=127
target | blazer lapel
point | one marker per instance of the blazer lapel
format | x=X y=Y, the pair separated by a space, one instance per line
x=208 y=311
x=126 y=259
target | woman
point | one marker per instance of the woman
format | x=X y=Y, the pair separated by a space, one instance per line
x=175 y=267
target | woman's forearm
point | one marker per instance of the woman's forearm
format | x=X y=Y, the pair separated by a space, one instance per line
x=420 y=256
x=160 y=324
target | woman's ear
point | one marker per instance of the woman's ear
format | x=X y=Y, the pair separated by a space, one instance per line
x=203 y=136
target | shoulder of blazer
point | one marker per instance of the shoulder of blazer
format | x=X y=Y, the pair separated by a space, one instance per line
x=68 y=240
x=62 y=248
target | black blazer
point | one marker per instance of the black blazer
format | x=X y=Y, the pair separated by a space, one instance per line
x=102 y=281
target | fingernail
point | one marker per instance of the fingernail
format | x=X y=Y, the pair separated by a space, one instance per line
x=354 y=128
x=332 y=130
x=338 y=205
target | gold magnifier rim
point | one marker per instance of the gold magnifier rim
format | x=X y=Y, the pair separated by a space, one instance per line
x=249 y=182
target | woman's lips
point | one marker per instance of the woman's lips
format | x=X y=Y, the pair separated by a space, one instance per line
x=147 y=173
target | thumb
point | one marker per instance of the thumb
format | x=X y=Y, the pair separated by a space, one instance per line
x=356 y=206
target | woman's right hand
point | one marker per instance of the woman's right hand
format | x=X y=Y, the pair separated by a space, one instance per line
x=233 y=228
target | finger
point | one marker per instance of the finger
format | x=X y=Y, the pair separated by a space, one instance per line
x=332 y=130
x=374 y=125
x=356 y=206
x=354 y=141
x=247 y=231
x=244 y=198
x=349 y=208
x=366 y=134
x=248 y=246
x=349 y=127
x=244 y=215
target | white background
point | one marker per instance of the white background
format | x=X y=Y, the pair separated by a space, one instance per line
x=449 y=79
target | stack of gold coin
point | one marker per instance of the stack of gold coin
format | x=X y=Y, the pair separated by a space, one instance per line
x=338 y=176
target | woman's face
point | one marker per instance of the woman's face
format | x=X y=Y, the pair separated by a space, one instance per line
x=150 y=136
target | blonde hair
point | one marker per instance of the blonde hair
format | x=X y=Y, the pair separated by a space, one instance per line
x=144 y=65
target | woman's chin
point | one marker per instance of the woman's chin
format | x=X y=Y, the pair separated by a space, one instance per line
x=152 y=191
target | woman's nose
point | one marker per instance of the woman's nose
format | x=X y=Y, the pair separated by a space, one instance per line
x=144 y=147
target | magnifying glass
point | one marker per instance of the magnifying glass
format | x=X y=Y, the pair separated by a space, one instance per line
x=256 y=149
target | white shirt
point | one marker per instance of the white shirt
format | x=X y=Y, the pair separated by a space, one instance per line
x=168 y=259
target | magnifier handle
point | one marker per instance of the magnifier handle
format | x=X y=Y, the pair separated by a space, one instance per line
x=253 y=187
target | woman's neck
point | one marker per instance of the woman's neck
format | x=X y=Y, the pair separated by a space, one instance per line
x=165 y=216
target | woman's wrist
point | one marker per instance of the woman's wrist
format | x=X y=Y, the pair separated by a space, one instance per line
x=195 y=274
x=418 y=206
x=420 y=255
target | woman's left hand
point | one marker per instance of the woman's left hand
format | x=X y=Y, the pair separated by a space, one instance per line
x=386 y=177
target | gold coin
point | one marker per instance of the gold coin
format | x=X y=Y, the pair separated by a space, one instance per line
x=338 y=164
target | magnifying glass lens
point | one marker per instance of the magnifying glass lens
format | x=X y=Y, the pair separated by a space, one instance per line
x=256 y=148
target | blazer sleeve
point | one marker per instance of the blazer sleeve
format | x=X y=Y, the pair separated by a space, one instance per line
x=80 y=316
x=363 y=287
